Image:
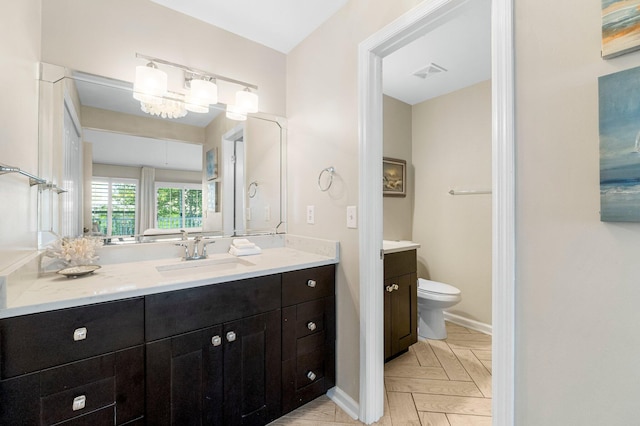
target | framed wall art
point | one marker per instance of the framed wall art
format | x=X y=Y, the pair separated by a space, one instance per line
x=211 y=163
x=394 y=177
x=620 y=27
x=619 y=107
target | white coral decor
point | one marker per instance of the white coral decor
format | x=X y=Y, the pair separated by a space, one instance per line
x=75 y=251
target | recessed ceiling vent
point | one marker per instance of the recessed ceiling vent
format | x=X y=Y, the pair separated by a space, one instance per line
x=429 y=70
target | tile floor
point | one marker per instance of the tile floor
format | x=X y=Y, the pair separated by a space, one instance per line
x=436 y=383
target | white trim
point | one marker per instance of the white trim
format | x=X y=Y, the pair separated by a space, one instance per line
x=468 y=323
x=504 y=257
x=402 y=31
x=344 y=401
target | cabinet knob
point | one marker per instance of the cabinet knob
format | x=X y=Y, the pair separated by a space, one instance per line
x=395 y=286
x=80 y=333
x=79 y=402
x=389 y=288
x=216 y=340
x=311 y=376
x=311 y=325
x=311 y=283
x=231 y=336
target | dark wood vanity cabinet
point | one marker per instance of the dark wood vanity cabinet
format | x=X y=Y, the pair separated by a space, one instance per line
x=224 y=374
x=237 y=353
x=74 y=366
x=400 y=302
x=308 y=335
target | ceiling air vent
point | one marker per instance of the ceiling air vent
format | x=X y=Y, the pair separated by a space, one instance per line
x=429 y=70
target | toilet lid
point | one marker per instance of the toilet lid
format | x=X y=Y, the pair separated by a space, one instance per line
x=436 y=287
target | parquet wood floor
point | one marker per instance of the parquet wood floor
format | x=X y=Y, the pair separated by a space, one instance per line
x=436 y=383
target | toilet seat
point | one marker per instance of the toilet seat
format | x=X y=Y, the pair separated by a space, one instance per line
x=435 y=287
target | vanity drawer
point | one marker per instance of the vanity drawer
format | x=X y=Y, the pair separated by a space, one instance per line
x=309 y=368
x=177 y=312
x=34 y=342
x=97 y=418
x=400 y=263
x=307 y=284
x=73 y=392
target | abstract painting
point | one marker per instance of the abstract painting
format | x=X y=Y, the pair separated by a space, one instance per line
x=619 y=104
x=394 y=177
x=620 y=27
x=211 y=164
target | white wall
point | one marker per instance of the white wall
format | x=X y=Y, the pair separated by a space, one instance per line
x=577 y=283
x=19 y=57
x=398 y=211
x=103 y=37
x=322 y=114
x=452 y=150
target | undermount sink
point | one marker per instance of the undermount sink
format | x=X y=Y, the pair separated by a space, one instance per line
x=203 y=266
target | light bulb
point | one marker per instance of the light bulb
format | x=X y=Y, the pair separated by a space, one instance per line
x=247 y=101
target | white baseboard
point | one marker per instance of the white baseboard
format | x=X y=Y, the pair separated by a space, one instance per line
x=469 y=323
x=344 y=401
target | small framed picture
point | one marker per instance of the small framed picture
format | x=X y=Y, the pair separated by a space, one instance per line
x=211 y=163
x=394 y=177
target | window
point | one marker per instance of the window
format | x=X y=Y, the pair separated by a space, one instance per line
x=113 y=206
x=178 y=205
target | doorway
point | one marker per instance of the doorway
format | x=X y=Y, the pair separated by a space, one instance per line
x=396 y=35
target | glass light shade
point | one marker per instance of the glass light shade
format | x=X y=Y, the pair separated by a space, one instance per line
x=196 y=104
x=236 y=113
x=206 y=91
x=150 y=82
x=247 y=101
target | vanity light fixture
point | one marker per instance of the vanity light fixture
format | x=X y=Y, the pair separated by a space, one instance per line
x=150 y=84
x=150 y=88
x=247 y=100
x=235 y=113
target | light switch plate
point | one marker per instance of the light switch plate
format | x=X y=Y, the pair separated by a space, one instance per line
x=352 y=217
x=311 y=215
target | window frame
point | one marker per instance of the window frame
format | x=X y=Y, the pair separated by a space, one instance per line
x=183 y=186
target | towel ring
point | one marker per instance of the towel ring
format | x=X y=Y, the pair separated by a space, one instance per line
x=253 y=185
x=329 y=170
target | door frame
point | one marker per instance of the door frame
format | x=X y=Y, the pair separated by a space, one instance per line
x=397 y=34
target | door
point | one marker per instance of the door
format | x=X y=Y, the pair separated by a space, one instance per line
x=252 y=370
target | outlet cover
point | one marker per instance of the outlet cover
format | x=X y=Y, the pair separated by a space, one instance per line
x=311 y=215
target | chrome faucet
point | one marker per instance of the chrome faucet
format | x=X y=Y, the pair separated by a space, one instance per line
x=194 y=253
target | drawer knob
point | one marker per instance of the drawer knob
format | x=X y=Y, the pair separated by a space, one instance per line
x=231 y=336
x=311 y=283
x=311 y=325
x=80 y=333
x=79 y=402
x=311 y=376
x=216 y=340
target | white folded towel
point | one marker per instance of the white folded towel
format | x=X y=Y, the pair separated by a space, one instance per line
x=235 y=251
x=242 y=243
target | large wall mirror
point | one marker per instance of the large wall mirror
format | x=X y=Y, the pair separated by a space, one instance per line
x=134 y=176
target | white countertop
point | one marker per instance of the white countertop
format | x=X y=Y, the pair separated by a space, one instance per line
x=394 y=246
x=123 y=280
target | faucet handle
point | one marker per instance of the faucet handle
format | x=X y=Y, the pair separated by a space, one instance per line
x=204 y=246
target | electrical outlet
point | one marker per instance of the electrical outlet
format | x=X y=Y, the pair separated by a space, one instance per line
x=311 y=215
x=352 y=217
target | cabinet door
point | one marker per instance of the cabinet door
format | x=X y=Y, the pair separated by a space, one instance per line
x=401 y=314
x=184 y=379
x=252 y=370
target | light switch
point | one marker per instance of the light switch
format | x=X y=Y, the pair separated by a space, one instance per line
x=311 y=215
x=352 y=217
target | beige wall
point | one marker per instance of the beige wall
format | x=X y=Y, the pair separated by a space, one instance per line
x=452 y=150
x=322 y=114
x=577 y=283
x=398 y=211
x=102 y=37
x=19 y=57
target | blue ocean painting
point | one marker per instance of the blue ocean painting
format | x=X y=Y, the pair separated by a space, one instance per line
x=620 y=27
x=619 y=103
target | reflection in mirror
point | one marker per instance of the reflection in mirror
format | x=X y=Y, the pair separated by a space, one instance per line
x=145 y=178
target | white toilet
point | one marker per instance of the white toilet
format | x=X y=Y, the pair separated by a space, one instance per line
x=433 y=298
